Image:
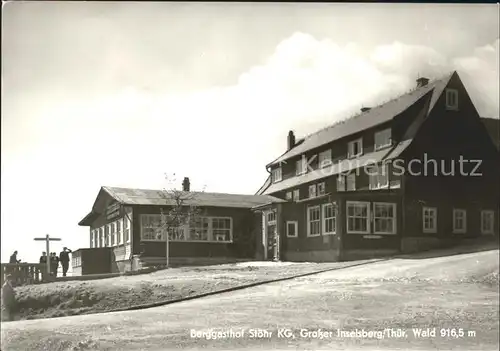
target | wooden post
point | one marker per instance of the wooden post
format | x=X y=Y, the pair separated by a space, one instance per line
x=47 y=240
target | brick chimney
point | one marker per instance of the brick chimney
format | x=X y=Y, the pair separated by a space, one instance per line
x=290 y=140
x=422 y=81
x=364 y=109
x=185 y=184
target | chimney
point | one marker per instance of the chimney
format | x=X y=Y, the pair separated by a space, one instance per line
x=422 y=81
x=185 y=184
x=290 y=140
x=364 y=109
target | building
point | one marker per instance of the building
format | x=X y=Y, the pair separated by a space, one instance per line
x=417 y=172
x=124 y=229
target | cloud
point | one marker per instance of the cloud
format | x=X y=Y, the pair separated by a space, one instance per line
x=304 y=84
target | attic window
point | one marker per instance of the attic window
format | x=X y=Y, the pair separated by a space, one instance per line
x=451 y=99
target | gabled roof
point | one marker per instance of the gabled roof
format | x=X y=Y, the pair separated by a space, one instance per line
x=371 y=118
x=130 y=196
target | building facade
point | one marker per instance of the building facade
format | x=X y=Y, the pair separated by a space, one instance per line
x=417 y=172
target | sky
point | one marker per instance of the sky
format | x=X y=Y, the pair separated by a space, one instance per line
x=118 y=94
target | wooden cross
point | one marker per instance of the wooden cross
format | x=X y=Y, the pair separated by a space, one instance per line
x=47 y=240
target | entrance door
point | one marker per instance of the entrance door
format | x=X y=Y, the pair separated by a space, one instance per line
x=271 y=241
x=269 y=235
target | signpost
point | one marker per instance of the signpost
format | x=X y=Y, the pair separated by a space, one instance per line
x=47 y=240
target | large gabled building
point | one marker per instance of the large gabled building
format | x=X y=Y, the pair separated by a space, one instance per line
x=382 y=181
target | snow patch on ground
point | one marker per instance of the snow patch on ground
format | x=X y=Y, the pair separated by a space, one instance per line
x=268 y=264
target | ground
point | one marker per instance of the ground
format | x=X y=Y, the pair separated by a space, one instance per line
x=456 y=294
x=84 y=297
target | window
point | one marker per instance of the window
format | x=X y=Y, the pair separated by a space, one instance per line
x=329 y=219
x=291 y=229
x=459 y=221
x=383 y=139
x=151 y=228
x=312 y=190
x=452 y=99
x=218 y=229
x=313 y=221
x=355 y=148
x=487 y=222
x=296 y=195
x=198 y=229
x=276 y=174
x=76 y=261
x=91 y=239
x=429 y=220
x=112 y=233
x=289 y=195
x=221 y=229
x=379 y=177
x=321 y=189
x=384 y=218
x=271 y=216
x=119 y=232
x=106 y=235
x=325 y=158
x=176 y=233
x=300 y=166
x=341 y=183
x=126 y=229
x=102 y=238
x=358 y=217
x=351 y=182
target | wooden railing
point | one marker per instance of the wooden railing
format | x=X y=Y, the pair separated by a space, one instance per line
x=24 y=273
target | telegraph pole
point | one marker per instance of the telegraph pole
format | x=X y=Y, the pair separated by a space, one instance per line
x=47 y=240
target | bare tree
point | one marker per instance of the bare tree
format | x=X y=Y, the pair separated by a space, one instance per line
x=180 y=213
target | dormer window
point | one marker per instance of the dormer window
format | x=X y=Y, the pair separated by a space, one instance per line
x=383 y=139
x=276 y=175
x=355 y=148
x=300 y=167
x=451 y=99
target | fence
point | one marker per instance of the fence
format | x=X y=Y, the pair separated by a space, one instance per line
x=23 y=273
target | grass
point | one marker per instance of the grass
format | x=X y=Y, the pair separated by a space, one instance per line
x=447 y=292
x=84 y=297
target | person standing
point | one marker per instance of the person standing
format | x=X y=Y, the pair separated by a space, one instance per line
x=9 y=298
x=43 y=258
x=54 y=263
x=64 y=258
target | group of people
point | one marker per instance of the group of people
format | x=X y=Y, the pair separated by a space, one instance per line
x=54 y=260
x=8 y=293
